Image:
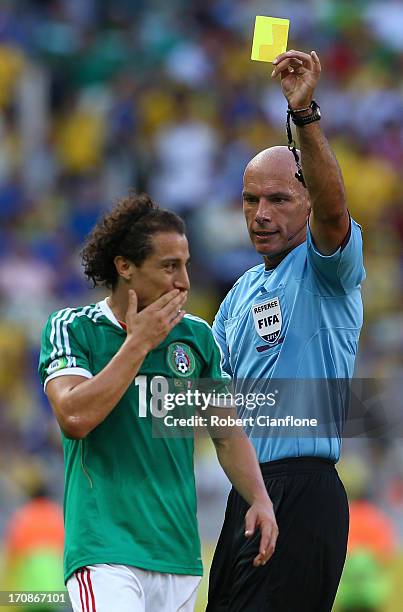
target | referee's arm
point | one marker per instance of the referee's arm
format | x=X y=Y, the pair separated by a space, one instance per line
x=238 y=460
x=329 y=219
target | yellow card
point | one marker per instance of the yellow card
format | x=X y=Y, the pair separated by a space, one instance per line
x=269 y=38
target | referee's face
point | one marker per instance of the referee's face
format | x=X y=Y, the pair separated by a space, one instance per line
x=275 y=204
x=163 y=270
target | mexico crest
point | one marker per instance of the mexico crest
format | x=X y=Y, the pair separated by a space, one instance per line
x=268 y=320
x=181 y=359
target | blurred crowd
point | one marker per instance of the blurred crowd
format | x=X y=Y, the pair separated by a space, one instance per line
x=97 y=97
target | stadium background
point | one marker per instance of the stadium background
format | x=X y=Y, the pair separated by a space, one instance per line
x=98 y=96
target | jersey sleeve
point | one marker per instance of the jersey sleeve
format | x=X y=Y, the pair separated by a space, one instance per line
x=220 y=338
x=214 y=368
x=342 y=271
x=63 y=347
x=215 y=380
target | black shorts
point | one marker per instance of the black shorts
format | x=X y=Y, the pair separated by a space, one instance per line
x=303 y=574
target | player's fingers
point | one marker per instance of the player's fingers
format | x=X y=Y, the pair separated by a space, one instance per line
x=132 y=302
x=165 y=299
x=177 y=318
x=174 y=304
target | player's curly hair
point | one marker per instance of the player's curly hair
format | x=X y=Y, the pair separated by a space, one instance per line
x=125 y=231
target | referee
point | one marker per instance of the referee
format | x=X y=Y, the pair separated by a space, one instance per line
x=296 y=317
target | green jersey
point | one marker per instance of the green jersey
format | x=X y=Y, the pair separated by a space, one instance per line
x=129 y=497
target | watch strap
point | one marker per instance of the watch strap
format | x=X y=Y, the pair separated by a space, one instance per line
x=306 y=119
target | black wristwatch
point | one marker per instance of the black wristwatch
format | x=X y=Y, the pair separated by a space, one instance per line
x=301 y=121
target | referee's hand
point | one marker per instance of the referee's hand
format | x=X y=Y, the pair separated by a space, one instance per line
x=261 y=515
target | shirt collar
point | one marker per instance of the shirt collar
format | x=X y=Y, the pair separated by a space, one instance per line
x=103 y=304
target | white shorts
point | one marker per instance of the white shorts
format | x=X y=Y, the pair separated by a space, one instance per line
x=124 y=588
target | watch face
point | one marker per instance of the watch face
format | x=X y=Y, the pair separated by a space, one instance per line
x=316 y=109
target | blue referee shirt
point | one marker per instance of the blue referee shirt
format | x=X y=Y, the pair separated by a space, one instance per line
x=297 y=325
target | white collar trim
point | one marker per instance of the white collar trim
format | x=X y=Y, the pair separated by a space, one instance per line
x=106 y=310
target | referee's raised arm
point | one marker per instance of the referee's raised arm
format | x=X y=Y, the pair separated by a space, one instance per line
x=329 y=219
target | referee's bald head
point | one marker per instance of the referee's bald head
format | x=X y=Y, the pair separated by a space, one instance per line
x=275 y=203
x=277 y=163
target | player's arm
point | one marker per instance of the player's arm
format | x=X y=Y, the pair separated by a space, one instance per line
x=79 y=403
x=329 y=220
x=238 y=460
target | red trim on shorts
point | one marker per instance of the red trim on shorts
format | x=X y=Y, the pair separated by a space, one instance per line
x=77 y=574
x=91 y=590
x=87 y=599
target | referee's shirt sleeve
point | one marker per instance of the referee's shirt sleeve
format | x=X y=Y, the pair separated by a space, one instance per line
x=220 y=337
x=342 y=271
x=63 y=349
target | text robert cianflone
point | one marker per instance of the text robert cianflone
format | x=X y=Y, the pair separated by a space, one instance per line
x=230 y=421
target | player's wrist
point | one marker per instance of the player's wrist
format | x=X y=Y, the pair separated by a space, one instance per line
x=138 y=347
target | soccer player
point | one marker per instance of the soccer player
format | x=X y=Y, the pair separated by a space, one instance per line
x=131 y=540
x=295 y=317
